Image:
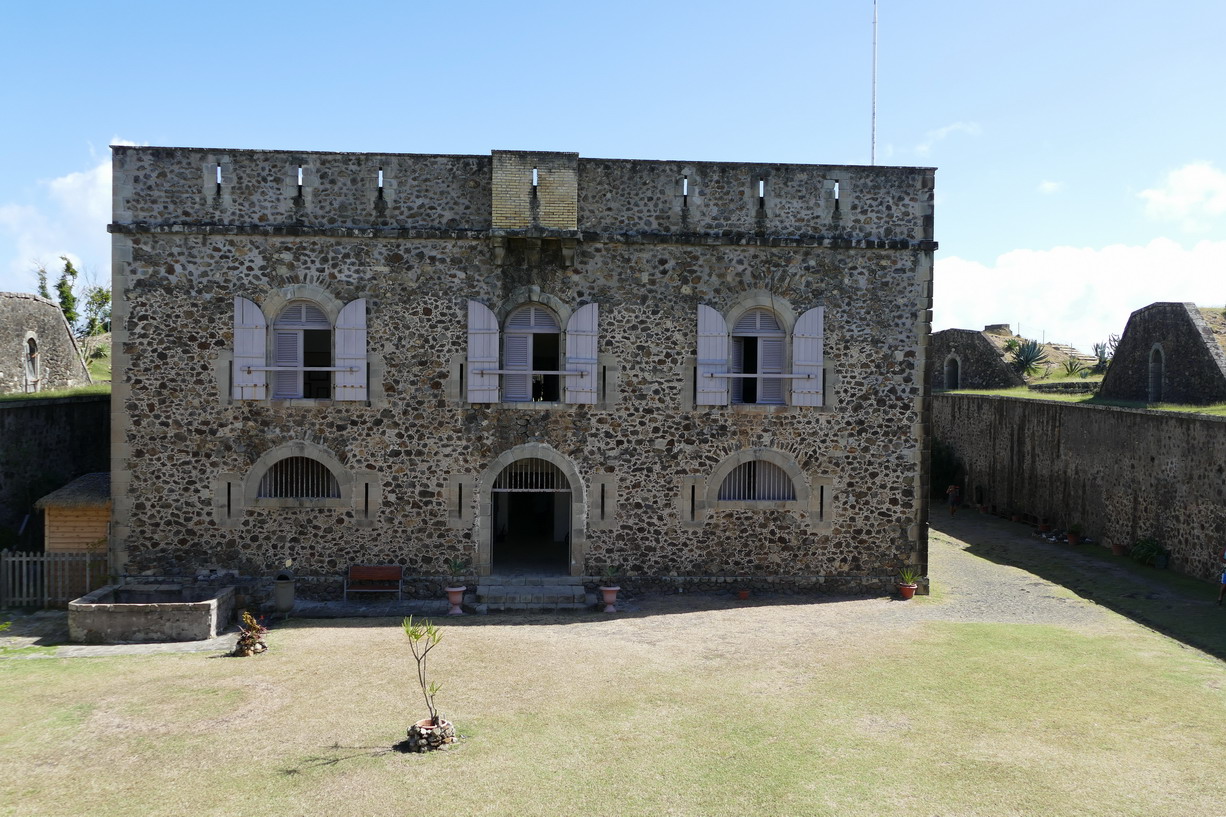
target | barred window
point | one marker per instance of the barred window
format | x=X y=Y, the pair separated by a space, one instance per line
x=299 y=478
x=757 y=481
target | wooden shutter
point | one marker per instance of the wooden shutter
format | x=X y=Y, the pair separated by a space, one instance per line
x=712 y=358
x=482 y=353
x=250 y=343
x=350 y=339
x=287 y=351
x=807 y=357
x=770 y=361
x=517 y=354
x=581 y=344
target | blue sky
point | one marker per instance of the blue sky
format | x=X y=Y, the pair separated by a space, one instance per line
x=1080 y=146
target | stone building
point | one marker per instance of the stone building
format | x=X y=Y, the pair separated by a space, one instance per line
x=1170 y=353
x=37 y=349
x=967 y=359
x=534 y=361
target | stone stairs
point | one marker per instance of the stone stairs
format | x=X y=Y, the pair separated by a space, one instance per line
x=533 y=593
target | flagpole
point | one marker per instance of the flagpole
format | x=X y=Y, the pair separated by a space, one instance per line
x=873 y=149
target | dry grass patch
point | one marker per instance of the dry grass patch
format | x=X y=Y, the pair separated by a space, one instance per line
x=843 y=708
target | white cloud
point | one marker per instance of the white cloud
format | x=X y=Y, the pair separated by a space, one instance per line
x=1075 y=295
x=1048 y=187
x=68 y=218
x=940 y=134
x=1194 y=196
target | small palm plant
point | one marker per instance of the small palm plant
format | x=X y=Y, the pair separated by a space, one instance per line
x=423 y=637
x=908 y=575
x=1028 y=355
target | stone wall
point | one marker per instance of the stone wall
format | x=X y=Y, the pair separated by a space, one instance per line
x=1123 y=473
x=970 y=360
x=44 y=444
x=1167 y=354
x=418 y=460
x=57 y=364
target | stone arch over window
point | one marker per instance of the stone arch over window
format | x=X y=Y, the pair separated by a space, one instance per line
x=1157 y=374
x=298 y=474
x=953 y=373
x=483 y=531
x=739 y=476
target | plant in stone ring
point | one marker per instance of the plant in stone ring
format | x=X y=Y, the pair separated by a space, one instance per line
x=423 y=637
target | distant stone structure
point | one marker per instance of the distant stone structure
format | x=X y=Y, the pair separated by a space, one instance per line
x=1170 y=353
x=534 y=361
x=966 y=359
x=37 y=349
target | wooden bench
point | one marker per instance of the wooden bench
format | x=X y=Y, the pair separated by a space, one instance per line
x=375 y=579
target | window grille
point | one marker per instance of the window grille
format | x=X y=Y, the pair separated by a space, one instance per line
x=757 y=481
x=299 y=478
x=532 y=475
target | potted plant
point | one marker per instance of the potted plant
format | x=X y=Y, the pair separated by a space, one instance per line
x=250 y=637
x=1119 y=549
x=1044 y=525
x=908 y=581
x=457 y=568
x=1074 y=533
x=609 y=588
x=1147 y=551
x=433 y=732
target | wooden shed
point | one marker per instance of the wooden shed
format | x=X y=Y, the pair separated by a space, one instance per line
x=77 y=517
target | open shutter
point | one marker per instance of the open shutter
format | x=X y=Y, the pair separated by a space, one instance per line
x=770 y=361
x=712 y=358
x=250 y=342
x=287 y=351
x=581 y=337
x=482 y=353
x=517 y=388
x=807 y=357
x=351 y=351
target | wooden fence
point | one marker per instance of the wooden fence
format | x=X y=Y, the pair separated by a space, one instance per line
x=49 y=579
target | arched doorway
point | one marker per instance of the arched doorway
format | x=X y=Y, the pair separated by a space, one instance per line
x=1156 y=366
x=952 y=374
x=530 y=519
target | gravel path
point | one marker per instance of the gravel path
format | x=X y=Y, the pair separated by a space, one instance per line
x=969 y=588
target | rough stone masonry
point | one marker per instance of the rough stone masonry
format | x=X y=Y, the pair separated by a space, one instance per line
x=534 y=361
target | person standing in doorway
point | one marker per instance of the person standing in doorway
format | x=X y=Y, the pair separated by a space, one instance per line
x=954 y=495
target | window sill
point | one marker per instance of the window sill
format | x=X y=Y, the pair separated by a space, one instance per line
x=287 y=502
x=529 y=405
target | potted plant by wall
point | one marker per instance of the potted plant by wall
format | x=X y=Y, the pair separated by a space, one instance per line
x=609 y=588
x=1074 y=533
x=908 y=581
x=433 y=732
x=458 y=569
x=1147 y=551
x=1119 y=549
x=1044 y=525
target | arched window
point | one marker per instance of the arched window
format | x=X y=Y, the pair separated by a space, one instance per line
x=298 y=478
x=301 y=348
x=757 y=481
x=1157 y=367
x=757 y=348
x=531 y=343
x=32 y=367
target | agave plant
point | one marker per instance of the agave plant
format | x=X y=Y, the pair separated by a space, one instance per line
x=909 y=575
x=1028 y=355
x=1072 y=366
x=1104 y=357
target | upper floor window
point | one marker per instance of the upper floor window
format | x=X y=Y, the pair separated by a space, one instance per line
x=298 y=478
x=529 y=358
x=750 y=364
x=302 y=354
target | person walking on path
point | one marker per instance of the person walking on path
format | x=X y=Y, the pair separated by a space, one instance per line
x=954 y=494
x=1222 y=588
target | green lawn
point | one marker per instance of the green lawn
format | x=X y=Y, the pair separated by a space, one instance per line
x=1218 y=409
x=751 y=710
x=80 y=391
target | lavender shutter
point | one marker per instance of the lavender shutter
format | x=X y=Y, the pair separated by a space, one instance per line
x=581 y=344
x=808 y=339
x=250 y=342
x=350 y=338
x=287 y=351
x=482 y=353
x=770 y=361
x=517 y=354
x=712 y=358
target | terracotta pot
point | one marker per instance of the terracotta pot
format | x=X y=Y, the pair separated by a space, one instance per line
x=1074 y=539
x=609 y=595
x=1119 y=550
x=455 y=597
x=1044 y=527
x=1015 y=517
x=907 y=590
x=742 y=595
x=425 y=735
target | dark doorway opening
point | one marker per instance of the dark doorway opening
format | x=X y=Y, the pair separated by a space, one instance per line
x=530 y=508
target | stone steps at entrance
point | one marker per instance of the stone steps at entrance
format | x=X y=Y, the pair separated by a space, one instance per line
x=533 y=593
